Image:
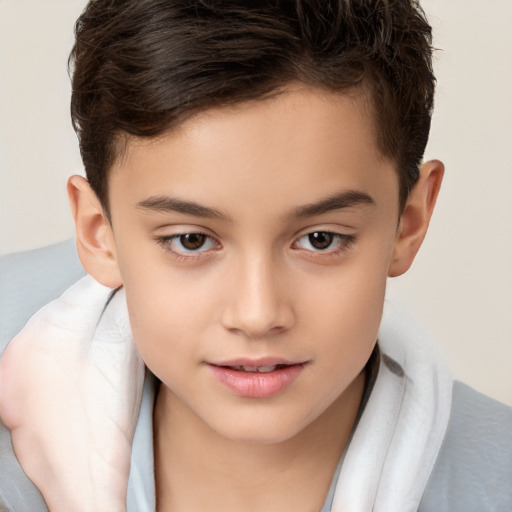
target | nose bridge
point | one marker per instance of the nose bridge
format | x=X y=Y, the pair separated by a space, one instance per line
x=258 y=303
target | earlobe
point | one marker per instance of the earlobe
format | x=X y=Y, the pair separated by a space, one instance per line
x=94 y=236
x=416 y=217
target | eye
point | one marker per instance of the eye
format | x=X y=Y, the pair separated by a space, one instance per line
x=188 y=243
x=324 y=241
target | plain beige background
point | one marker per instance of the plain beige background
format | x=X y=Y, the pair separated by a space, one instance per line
x=460 y=287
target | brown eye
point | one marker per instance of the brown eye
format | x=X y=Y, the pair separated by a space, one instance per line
x=324 y=242
x=188 y=244
x=321 y=240
x=192 y=241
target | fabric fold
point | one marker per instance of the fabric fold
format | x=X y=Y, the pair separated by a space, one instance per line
x=390 y=458
x=70 y=390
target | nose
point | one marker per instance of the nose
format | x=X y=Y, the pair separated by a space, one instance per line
x=258 y=304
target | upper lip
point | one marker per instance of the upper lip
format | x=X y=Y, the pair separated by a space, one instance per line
x=257 y=362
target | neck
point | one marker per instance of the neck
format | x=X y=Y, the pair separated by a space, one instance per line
x=196 y=468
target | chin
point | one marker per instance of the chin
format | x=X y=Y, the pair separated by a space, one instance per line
x=259 y=437
x=260 y=429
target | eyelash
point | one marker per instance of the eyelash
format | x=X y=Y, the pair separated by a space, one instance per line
x=187 y=255
x=344 y=243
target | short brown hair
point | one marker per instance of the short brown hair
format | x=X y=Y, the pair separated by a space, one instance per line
x=142 y=66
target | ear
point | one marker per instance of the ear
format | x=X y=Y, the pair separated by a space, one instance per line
x=416 y=217
x=94 y=236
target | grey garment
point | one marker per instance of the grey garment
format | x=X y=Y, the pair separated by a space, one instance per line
x=31 y=279
x=473 y=471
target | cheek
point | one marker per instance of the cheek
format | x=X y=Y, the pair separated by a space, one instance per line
x=352 y=320
x=347 y=309
x=169 y=315
x=157 y=314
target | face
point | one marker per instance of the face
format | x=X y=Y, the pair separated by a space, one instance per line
x=254 y=244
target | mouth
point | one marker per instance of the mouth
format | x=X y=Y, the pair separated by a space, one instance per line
x=258 y=369
x=256 y=379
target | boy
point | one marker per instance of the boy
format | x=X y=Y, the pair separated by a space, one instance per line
x=253 y=178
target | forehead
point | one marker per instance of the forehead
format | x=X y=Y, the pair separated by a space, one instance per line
x=301 y=142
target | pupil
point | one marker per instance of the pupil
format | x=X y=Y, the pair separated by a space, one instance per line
x=192 y=241
x=320 y=239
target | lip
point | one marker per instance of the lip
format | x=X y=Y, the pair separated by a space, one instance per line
x=256 y=361
x=255 y=384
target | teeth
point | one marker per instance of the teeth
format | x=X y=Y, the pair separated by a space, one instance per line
x=256 y=369
x=266 y=369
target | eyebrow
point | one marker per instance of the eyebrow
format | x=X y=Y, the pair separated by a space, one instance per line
x=339 y=201
x=174 y=205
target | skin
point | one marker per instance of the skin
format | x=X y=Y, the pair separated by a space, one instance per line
x=257 y=287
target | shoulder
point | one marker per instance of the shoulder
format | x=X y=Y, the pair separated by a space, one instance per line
x=28 y=281
x=473 y=471
x=31 y=279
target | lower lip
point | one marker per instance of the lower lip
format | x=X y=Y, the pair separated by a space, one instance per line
x=255 y=384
